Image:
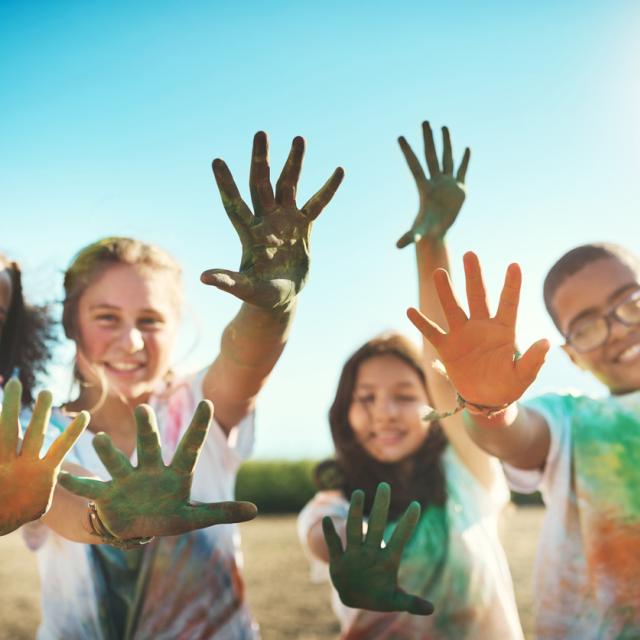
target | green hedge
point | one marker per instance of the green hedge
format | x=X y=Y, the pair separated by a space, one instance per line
x=276 y=486
x=285 y=486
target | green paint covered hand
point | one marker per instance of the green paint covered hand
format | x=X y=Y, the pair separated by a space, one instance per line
x=26 y=480
x=365 y=574
x=442 y=196
x=152 y=499
x=275 y=236
x=478 y=351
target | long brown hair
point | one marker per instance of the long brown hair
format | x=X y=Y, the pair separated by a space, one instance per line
x=354 y=468
x=27 y=337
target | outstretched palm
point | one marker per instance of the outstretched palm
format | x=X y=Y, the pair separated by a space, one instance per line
x=275 y=236
x=441 y=196
x=365 y=574
x=26 y=480
x=478 y=352
x=153 y=499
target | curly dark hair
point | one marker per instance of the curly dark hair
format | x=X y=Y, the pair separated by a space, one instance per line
x=27 y=336
x=353 y=468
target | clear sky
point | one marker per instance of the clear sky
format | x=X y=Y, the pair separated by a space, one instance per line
x=110 y=115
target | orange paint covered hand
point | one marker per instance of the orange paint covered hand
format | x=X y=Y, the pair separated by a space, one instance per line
x=479 y=350
x=26 y=480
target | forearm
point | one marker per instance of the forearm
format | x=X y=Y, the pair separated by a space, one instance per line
x=250 y=347
x=518 y=436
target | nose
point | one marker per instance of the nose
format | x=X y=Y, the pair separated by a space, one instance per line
x=131 y=339
x=384 y=409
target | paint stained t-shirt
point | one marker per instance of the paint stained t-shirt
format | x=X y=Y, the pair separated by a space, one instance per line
x=193 y=587
x=454 y=559
x=587 y=574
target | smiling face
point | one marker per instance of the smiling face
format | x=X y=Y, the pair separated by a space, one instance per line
x=5 y=297
x=127 y=321
x=594 y=290
x=385 y=413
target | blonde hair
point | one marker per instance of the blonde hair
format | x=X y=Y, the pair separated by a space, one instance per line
x=92 y=261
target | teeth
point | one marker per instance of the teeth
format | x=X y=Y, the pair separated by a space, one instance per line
x=124 y=366
x=630 y=353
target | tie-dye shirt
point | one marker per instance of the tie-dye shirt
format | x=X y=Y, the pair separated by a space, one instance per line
x=588 y=563
x=454 y=559
x=192 y=587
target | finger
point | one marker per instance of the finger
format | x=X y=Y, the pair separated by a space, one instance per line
x=314 y=206
x=232 y=282
x=412 y=160
x=85 y=487
x=288 y=180
x=206 y=515
x=451 y=308
x=447 y=152
x=354 y=519
x=462 y=169
x=115 y=462
x=378 y=516
x=404 y=530
x=331 y=537
x=429 y=329
x=259 y=176
x=528 y=366
x=407 y=239
x=476 y=291
x=236 y=208
x=65 y=441
x=402 y=601
x=186 y=455
x=430 y=150
x=9 y=419
x=149 y=453
x=509 y=298
x=34 y=436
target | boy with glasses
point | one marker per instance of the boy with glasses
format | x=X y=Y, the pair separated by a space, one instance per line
x=582 y=453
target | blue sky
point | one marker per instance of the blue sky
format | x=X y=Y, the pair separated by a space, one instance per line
x=110 y=115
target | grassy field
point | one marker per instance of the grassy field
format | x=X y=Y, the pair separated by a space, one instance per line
x=282 y=599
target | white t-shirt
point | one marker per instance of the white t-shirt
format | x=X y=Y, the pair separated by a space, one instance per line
x=457 y=563
x=194 y=587
x=587 y=571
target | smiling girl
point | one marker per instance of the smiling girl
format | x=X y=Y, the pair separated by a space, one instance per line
x=454 y=558
x=122 y=310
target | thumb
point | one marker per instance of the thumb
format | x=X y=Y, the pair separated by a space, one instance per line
x=232 y=282
x=405 y=240
x=402 y=601
x=529 y=364
x=206 y=515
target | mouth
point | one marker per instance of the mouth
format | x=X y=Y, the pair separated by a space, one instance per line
x=389 y=438
x=124 y=368
x=630 y=354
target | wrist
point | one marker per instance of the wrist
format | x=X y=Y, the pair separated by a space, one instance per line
x=500 y=418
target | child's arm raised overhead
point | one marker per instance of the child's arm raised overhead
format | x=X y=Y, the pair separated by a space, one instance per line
x=273 y=269
x=478 y=352
x=441 y=198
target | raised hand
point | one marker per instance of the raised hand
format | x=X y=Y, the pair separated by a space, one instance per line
x=478 y=352
x=442 y=195
x=26 y=480
x=365 y=574
x=152 y=499
x=275 y=236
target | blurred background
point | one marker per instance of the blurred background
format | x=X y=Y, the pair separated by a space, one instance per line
x=111 y=113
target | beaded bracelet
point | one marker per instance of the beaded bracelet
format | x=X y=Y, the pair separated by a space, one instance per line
x=485 y=410
x=100 y=531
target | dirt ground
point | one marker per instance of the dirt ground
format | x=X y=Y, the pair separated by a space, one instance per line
x=282 y=598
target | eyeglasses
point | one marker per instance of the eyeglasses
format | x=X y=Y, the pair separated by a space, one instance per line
x=591 y=332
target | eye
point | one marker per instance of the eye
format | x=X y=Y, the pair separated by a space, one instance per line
x=106 y=318
x=366 y=398
x=150 y=322
x=406 y=398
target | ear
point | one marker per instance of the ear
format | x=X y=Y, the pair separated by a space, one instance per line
x=574 y=356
